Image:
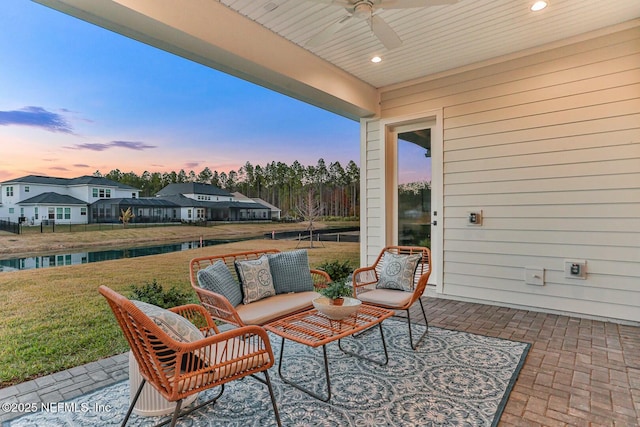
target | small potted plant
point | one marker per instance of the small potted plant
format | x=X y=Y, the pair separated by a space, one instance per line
x=336 y=291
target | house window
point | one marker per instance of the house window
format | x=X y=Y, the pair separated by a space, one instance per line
x=108 y=193
x=35 y=211
x=67 y=213
x=9 y=191
x=26 y=188
x=189 y=213
x=133 y=195
x=95 y=192
x=11 y=210
x=52 y=213
x=83 y=211
x=58 y=213
x=102 y=193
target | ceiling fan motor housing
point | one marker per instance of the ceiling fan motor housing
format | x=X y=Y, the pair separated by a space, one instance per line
x=363 y=9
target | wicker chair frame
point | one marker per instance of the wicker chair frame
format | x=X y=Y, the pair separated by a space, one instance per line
x=365 y=277
x=180 y=369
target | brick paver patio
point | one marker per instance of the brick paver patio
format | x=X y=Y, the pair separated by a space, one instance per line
x=579 y=372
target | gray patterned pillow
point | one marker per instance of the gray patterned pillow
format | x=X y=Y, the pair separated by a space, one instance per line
x=398 y=271
x=257 y=282
x=176 y=326
x=217 y=278
x=290 y=271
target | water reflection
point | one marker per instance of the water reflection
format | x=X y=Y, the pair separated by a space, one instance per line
x=43 y=261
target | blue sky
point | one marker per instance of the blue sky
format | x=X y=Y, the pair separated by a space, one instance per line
x=76 y=98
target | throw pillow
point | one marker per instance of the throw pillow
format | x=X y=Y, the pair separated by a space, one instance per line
x=217 y=278
x=398 y=271
x=256 y=279
x=174 y=325
x=290 y=271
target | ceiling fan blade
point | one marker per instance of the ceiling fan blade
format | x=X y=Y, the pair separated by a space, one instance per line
x=406 y=4
x=385 y=33
x=328 y=32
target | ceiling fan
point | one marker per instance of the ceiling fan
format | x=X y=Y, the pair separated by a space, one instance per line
x=367 y=10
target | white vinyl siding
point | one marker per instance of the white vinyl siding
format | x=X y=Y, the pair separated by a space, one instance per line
x=372 y=220
x=548 y=146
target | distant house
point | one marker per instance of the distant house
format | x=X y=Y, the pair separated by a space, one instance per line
x=205 y=202
x=33 y=199
x=275 y=211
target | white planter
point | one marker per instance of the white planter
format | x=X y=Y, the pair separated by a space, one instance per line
x=150 y=403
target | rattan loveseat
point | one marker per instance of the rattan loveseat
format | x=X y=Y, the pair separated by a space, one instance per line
x=288 y=271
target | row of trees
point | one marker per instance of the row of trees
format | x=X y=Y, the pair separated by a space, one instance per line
x=335 y=188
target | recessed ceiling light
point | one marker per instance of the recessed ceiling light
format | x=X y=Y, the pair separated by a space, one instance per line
x=376 y=59
x=539 y=5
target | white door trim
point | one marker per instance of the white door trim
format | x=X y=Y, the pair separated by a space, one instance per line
x=389 y=129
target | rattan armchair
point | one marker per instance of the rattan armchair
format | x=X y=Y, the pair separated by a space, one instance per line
x=180 y=369
x=365 y=279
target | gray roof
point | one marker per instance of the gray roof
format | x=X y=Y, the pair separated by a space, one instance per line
x=192 y=188
x=184 y=201
x=187 y=202
x=82 y=180
x=52 y=198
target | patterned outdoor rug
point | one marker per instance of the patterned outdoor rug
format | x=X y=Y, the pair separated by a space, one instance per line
x=453 y=379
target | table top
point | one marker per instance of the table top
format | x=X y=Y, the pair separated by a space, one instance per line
x=314 y=329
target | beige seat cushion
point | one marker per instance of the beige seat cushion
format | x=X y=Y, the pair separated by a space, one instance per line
x=220 y=355
x=386 y=297
x=265 y=310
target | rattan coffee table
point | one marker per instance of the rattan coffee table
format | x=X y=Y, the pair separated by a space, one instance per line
x=314 y=329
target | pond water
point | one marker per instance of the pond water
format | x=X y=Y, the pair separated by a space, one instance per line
x=74 y=258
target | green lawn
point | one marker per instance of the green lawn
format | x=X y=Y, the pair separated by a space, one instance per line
x=54 y=319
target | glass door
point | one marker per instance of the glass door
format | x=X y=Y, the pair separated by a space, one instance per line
x=414 y=188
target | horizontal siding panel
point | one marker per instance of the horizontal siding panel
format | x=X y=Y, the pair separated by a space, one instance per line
x=552 y=237
x=590 y=169
x=585 y=86
x=524 y=107
x=620 y=225
x=611 y=253
x=618 y=181
x=594 y=210
x=566 y=145
x=552 y=277
x=625 y=273
x=596 y=126
x=545 y=198
x=572 y=115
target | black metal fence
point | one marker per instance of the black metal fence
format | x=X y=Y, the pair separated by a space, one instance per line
x=10 y=226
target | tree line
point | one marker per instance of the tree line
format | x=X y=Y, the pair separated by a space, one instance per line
x=335 y=189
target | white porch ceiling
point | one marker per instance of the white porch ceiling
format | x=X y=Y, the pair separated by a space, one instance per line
x=264 y=41
x=436 y=38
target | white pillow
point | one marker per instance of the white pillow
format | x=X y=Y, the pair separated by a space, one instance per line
x=176 y=326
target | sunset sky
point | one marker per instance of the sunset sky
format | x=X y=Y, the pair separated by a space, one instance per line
x=76 y=98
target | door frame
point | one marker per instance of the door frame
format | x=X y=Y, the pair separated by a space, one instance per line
x=389 y=129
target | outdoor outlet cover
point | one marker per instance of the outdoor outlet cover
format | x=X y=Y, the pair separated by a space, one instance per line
x=534 y=276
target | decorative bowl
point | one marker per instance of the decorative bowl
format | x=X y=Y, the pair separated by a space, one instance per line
x=337 y=312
